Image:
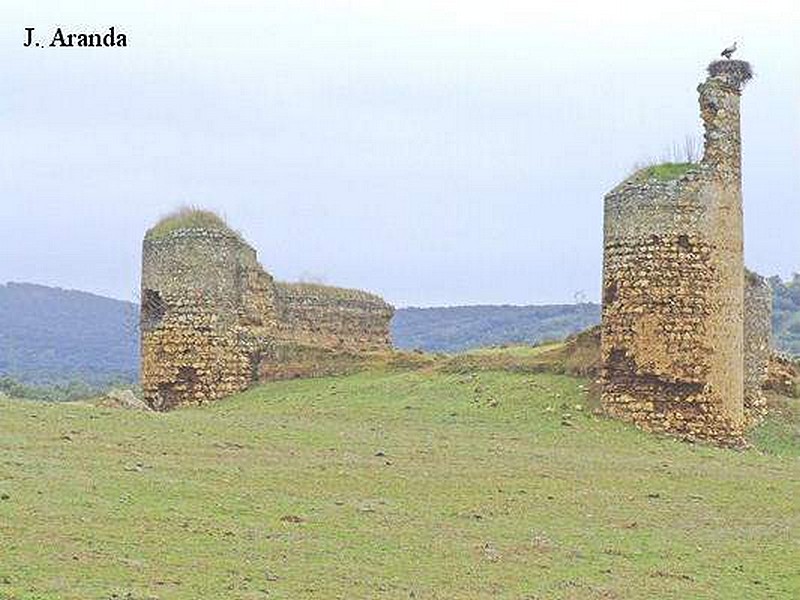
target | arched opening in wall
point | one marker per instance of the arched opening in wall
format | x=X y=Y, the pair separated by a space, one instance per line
x=153 y=309
x=610 y=293
x=254 y=359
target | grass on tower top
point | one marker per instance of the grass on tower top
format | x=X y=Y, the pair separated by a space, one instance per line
x=665 y=171
x=189 y=217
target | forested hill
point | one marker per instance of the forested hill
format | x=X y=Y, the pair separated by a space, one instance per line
x=458 y=328
x=50 y=335
x=451 y=329
x=786 y=313
x=54 y=336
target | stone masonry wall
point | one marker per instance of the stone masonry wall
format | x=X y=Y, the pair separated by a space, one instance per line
x=213 y=321
x=757 y=345
x=206 y=309
x=334 y=318
x=673 y=293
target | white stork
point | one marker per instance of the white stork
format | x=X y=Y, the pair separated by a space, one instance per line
x=728 y=51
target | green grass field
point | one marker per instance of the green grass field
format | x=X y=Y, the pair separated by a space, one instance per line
x=389 y=484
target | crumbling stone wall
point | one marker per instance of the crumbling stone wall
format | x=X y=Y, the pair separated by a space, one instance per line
x=783 y=375
x=673 y=286
x=213 y=321
x=330 y=317
x=757 y=344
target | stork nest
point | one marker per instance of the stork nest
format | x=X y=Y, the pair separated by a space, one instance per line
x=735 y=72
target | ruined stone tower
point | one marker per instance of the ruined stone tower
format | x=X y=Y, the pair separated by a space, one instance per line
x=673 y=283
x=206 y=309
x=213 y=321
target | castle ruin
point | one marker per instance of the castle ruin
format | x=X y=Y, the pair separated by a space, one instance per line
x=758 y=346
x=678 y=354
x=213 y=322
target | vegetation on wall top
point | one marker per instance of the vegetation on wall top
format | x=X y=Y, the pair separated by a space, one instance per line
x=189 y=217
x=665 y=171
x=328 y=291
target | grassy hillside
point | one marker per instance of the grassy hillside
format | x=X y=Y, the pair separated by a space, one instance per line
x=433 y=483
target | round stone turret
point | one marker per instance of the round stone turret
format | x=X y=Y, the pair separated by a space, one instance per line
x=673 y=284
x=206 y=309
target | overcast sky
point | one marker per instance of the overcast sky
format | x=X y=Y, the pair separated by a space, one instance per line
x=433 y=152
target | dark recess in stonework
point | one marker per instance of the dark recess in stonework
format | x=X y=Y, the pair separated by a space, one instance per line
x=153 y=309
x=610 y=293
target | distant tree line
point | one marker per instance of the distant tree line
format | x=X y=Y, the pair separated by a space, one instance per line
x=62 y=392
x=458 y=328
x=786 y=313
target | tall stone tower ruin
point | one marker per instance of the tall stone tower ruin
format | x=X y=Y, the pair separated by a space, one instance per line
x=673 y=283
x=206 y=310
x=213 y=322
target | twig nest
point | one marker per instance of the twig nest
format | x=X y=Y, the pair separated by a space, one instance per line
x=734 y=72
